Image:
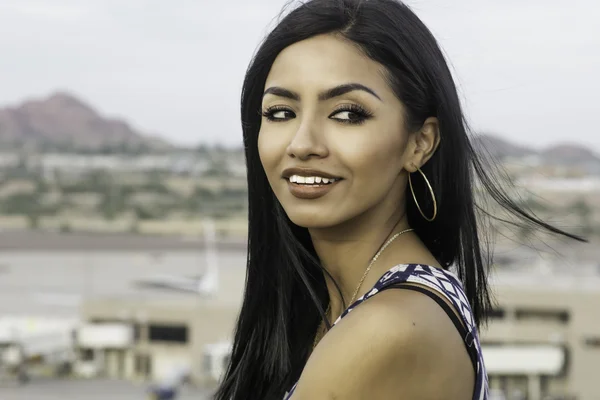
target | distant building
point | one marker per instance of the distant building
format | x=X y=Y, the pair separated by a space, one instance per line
x=148 y=340
x=130 y=320
x=544 y=337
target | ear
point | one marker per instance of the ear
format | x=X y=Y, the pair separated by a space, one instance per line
x=422 y=144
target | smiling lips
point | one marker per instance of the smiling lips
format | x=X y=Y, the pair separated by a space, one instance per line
x=309 y=184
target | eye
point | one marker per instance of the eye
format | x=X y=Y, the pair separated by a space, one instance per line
x=351 y=114
x=278 y=114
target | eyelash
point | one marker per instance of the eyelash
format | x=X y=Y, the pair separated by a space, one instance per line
x=361 y=112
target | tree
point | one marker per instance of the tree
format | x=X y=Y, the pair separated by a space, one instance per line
x=33 y=220
x=20 y=204
x=582 y=209
x=113 y=202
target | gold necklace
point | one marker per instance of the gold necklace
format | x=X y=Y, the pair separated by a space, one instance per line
x=373 y=260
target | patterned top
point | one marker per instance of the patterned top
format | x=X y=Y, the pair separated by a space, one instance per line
x=442 y=285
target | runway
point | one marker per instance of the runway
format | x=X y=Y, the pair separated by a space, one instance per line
x=87 y=390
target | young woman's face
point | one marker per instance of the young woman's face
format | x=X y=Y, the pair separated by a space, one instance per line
x=332 y=138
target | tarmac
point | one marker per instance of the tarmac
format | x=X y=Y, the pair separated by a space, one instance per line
x=97 y=389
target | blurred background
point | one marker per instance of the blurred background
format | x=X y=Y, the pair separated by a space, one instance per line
x=123 y=190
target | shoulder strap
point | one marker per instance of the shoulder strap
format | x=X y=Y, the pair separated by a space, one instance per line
x=442 y=282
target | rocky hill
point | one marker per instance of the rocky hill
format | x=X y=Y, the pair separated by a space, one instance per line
x=499 y=148
x=567 y=154
x=64 y=121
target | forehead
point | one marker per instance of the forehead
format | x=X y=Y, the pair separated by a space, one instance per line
x=324 y=61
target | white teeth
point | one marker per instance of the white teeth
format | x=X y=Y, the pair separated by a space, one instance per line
x=310 y=180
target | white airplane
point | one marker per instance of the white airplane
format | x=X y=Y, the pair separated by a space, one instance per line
x=171 y=282
x=206 y=284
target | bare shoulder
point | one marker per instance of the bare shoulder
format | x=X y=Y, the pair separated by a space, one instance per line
x=396 y=339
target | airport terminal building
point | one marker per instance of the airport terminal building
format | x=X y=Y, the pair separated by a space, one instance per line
x=543 y=339
x=139 y=317
x=148 y=340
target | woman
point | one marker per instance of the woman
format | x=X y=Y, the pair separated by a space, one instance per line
x=360 y=180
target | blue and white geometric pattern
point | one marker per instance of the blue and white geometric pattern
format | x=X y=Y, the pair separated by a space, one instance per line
x=448 y=286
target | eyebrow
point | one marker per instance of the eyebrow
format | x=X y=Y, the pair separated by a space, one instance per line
x=326 y=95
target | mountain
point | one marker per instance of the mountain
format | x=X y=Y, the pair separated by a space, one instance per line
x=499 y=148
x=62 y=120
x=563 y=154
x=569 y=154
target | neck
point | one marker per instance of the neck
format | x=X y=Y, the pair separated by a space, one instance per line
x=345 y=251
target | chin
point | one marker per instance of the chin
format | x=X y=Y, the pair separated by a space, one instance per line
x=312 y=219
x=311 y=223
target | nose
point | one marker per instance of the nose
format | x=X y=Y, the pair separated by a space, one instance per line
x=307 y=143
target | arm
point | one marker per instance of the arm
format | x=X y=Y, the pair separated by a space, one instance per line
x=397 y=345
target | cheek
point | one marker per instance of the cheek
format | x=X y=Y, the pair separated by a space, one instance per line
x=376 y=160
x=270 y=151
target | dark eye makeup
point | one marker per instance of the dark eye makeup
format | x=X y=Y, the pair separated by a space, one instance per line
x=356 y=114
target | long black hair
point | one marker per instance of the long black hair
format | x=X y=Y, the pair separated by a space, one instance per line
x=285 y=287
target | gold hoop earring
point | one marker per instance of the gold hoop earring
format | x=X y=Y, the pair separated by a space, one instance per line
x=415 y=197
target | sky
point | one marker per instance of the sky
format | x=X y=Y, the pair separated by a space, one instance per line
x=527 y=71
